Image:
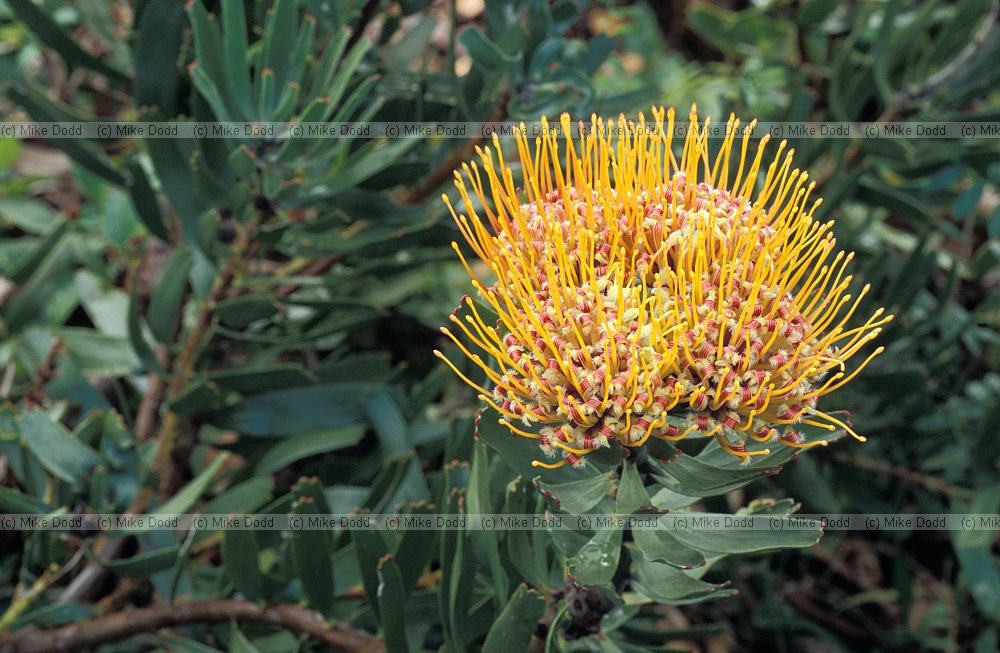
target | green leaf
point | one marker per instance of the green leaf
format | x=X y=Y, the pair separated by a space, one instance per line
x=254 y=380
x=577 y=497
x=240 y=312
x=778 y=535
x=392 y=601
x=980 y=568
x=14 y=502
x=311 y=551
x=369 y=547
x=235 y=63
x=291 y=411
x=279 y=35
x=516 y=624
x=42 y=109
x=388 y=421
x=239 y=556
x=238 y=642
x=596 y=562
x=243 y=497
x=415 y=548
x=664 y=584
x=388 y=482
x=137 y=338
x=875 y=191
x=484 y=51
x=146 y=203
x=184 y=645
x=98 y=354
x=28 y=215
x=631 y=494
x=42 y=24
x=661 y=545
x=141 y=565
x=191 y=493
x=302 y=445
x=695 y=477
x=479 y=501
x=208 y=66
x=160 y=31
x=165 y=302
x=56 y=449
x=28 y=263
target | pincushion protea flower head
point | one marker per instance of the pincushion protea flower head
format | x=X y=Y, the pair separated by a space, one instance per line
x=640 y=296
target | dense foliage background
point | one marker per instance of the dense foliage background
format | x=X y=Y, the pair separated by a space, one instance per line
x=241 y=325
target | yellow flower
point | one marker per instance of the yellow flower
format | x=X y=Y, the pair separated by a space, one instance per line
x=640 y=296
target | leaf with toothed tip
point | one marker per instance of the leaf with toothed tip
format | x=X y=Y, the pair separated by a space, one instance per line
x=737 y=540
x=665 y=584
x=689 y=475
x=577 y=496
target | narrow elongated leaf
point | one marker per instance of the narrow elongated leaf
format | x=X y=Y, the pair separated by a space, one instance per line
x=42 y=109
x=385 y=416
x=190 y=493
x=234 y=45
x=303 y=445
x=15 y=502
x=415 y=547
x=311 y=551
x=239 y=555
x=146 y=203
x=165 y=303
x=142 y=564
x=392 y=601
x=716 y=541
x=56 y=449
x=293 y=410
x=369 y=547
x=137 y=339
x=41 y=23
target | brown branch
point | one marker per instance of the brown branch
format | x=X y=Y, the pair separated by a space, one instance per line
x=87 y=633
x=35 y=397
x=149 y=407
x=164 y=465
x=186 y=360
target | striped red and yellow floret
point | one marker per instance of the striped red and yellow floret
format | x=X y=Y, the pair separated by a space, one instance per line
x=640 y=296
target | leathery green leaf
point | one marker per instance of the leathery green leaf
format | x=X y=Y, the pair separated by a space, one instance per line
x=312 y=553
x=577 y=497
x=515 y=626
x=56 y=449
x=239 y=556
x=597 y=560
x=392 y=601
